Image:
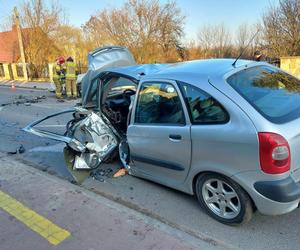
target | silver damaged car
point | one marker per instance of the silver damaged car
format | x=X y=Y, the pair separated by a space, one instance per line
x=226 y=132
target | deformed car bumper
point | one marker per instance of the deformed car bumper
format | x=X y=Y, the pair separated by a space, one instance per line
x=271 y=197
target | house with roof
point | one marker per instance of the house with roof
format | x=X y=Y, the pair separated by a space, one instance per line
x=9 y=45
x=10 y=53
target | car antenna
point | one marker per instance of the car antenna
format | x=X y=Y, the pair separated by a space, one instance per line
x=242 y=52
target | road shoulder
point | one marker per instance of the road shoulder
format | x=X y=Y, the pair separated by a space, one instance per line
x=91 y=219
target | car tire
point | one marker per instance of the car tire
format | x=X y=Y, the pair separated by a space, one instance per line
x=223 y=199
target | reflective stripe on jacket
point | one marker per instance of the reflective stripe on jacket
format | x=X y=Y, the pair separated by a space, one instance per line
x=70 y=70
x=56 y=71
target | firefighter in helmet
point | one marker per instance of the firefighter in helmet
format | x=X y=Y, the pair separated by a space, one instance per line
x=71 y=87
x=57 y=75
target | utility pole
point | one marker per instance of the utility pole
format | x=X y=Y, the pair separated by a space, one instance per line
x=17 y=22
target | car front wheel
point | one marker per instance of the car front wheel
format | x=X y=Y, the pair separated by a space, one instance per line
x=223 y=199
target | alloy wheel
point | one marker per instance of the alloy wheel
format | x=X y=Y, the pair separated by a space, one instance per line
x=221 y=198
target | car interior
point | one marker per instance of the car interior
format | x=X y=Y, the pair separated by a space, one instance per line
x=116 y=99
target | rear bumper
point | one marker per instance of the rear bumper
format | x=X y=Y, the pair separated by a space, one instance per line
x=285 y=190
x=271 y=197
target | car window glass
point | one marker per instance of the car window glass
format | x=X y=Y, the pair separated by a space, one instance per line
x=159 y=103
x=117 y=85
x=272 y=92
x=203 y=108
x=92 y=95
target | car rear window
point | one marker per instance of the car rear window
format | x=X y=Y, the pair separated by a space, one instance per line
x=273 y=93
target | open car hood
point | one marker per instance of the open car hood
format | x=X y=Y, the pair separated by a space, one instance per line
x=105 y=58
x=110 y=56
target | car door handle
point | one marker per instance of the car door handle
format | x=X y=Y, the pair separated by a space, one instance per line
x=175 y=137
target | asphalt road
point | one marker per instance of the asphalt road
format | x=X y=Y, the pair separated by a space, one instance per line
x=169 y=206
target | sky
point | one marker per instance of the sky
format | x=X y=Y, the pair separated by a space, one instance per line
x=198 y=12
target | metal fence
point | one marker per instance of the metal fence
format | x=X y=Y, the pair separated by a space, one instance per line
x=2 y=73
x=34 y=72
x=38 y=71
x=19 y=69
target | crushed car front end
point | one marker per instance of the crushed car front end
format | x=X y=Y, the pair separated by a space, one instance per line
x=90 y=139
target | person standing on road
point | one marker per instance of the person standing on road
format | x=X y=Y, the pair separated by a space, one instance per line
x=57 y=74
x=71 y=87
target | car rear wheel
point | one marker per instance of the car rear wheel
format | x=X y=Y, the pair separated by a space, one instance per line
x=223 y=199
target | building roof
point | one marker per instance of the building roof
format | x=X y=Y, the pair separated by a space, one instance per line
x=9 y=45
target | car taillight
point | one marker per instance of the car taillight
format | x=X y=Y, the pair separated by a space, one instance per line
x=274 y=153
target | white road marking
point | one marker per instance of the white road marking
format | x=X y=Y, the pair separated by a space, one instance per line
x=52 y=148
x=50 y=126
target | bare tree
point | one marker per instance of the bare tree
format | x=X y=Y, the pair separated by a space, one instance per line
x=206 y=40
x=282 y=28
x=193 y=51
x=42 y=23
x=152 y=31
x=243 y=36
x=72 y=42
x=223 y=41
x=215 y=41
x=36 y=13
x=246 y=34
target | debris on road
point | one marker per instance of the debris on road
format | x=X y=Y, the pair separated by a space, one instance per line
x=19 y=150
x=12 y=152
x=101 y=174
x=26 y=100
x=120 y=172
